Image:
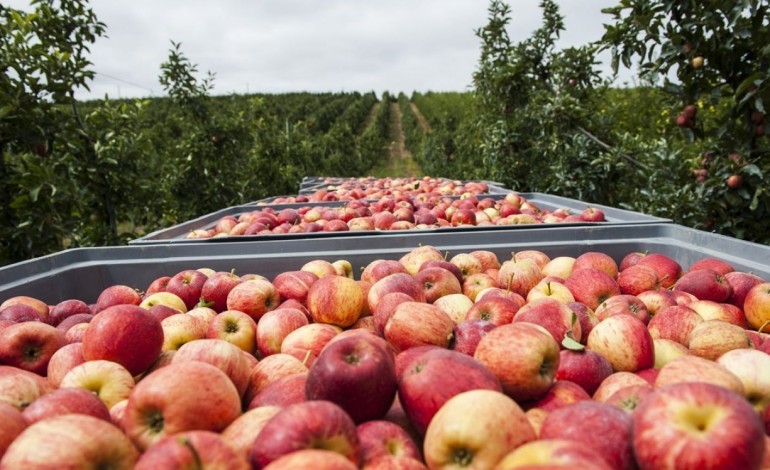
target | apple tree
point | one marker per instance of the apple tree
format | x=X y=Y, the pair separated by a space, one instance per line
x=713 y=61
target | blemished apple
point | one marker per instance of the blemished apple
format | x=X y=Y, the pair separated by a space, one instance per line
x=707 y=427
x=71 y=441
x=234 y=327
x=192 y=449
x=358 y=366
x=240 y=434
x=689 y=368
x=63 y=361
x=126 y=334
x=336 y=300
x=587 y=368
x=475 y=429
x=528 y=374
x=161 y=403
x=424 y=386
x=281 y=392
x=315 y=424
x=108 y=380
x=553 y=453
x=30 y=345
x=756 y=305
x=225 y=356
x=625 y=341
x=582 y=422
x=380 y=438
x=417 y=324
x=66 y=401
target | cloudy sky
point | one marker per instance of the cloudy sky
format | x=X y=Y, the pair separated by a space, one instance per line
x=311 y=45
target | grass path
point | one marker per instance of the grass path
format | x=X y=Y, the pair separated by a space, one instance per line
x=400 y=161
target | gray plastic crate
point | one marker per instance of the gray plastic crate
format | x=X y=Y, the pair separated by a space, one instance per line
x=177 y=233
x=83 y=272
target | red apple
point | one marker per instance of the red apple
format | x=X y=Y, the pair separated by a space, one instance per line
x=417 y=324
x=519 y=275
x=690 y=368
x=740 y=284
x=528 y=374
x=313 y=424
x=240 y=434
x=562 y=393
x=553 y=454
x=705 y=284
x=637 y=279
x=225 y=356
x=497 y=310
x=715 y=264
x=712 y=338
x=71 y=441
x=558 y=319
x=596 y=260
x=382 y=438
x=336 y=300
x=274 y=326
x=269 y=370
x=397 y=282
x=625 y=341
x=117 y=295
x=216 y=289
x=437 y=282
x=254 y=298
x=667 y=269
x=18 y=313
x=317 y=459
x=586 y=368
x=234 y=327
x=706 y=427
x=386 y=306
x=381 y=268
x=66 y=401
x=13 y=424
x=281 y=392
x=617 y=381
x=656 y=300
x=629 y=304
x=187 y=285
x=192 y=449
x=62 y=361
x=65 y=309
x=294 y=284
x=467 y=334
x=674 y=323
x=756 y=305
x=592 y=286
x=161 y=403
x=30 y=345
x=474 y=284
x=109 y=381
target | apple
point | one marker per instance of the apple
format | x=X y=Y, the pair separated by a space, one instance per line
x=187 y=285
x=617 y=381
x=592 y=214
x=160 y=311
x=666 y=268
x=467 y=264
x=629 y=398
x=66 y=401
x=386 y=306
x=497 y=310
x=274 y=326
x=637 y=279
x=116 y=295
x=294 y=284
x=550 y=289
x=528 y=374
x=192 y=449
x=454 y=305
x=586 y=368
x=705 y=284
x=558 y=319
x=164 y=298
x=70 y=441
x=592 y=286
x=205 y=314
x=161 y=403
x=62 y=361
x=690 y=368
x=586 y=317
x=756 y=305
x=306 y=342
x=216 y=288
x=417 y=256
x=358 y=366
x=707 y=427
x=629 y=304
x=76 y=333
x=631 y=259
x=315 y=424
x=396 y=282
x=336 y=300
x=269 y=370
x=656 y=300
x=281 y=392
x=254 y=298
x=424 y=386
x=30 y=345
x=667 y=350
x=181 y=328
x=437 y=282
x=561 y=267
x=158 y=285
x=752 y=367
x=582 y=422
x=240 y=434
x=18 y=313
x=380 y=268
x=107 y=380
x=553 y=453
x=712 y=338
x=625 y=341
x=710 y=310
x=596 y=260
x=720 y=266
x=487 y=258
x=740 y=284
x=41 y=308
x=475 y=429
x=562 y=393
x=674 y=323
x=234 y=327
x=19 y=387
x=317 y=459
x=13 y=424
x=416 y=324
x=519 y=275
x=65 y=309
x=221 y=354
x=380 y=438
x=476 y=283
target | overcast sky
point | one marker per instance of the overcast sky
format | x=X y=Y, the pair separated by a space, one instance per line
x=311 y=45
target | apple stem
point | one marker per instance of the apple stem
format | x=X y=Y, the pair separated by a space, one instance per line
x=764 y=325
x=186 y=442
x=307 y=356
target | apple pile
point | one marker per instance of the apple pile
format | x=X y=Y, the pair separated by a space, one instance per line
x=426 y=361
x=395 y=213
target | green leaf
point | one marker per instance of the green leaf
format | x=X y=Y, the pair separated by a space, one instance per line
x=570 y=343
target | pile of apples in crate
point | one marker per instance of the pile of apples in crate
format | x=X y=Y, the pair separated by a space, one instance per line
x=395 y=213
x=422 y=361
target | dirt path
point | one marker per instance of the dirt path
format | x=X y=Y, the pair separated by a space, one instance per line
x=400 y=160
x=424 y=125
